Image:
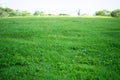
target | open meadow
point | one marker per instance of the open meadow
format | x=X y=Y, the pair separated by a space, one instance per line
x=59 y=48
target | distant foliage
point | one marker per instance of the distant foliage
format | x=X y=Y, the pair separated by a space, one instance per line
x=51 y=14
x=39 y=13
x=115 y=13
x=62 y=14
x=6 y=12
x=18 y=13
x=103 y=13
x=84 y=14
x=9 y=11
x=3 y=14
x=36 y=13
x=42 y=13
x=25 y=13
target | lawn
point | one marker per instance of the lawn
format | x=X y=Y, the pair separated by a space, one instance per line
x=59 y=48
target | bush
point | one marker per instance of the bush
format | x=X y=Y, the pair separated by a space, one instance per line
x=115 y=13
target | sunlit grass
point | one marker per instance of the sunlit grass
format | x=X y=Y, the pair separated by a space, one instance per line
x=59 y=48
x=60 y=16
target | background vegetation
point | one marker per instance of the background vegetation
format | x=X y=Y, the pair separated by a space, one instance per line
x=7 y=12
x=114 y=13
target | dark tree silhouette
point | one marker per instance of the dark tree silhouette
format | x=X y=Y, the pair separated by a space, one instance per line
x=79 y=12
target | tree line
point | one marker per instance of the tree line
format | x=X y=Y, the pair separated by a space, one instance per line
x=114 y=13
x=8 y=12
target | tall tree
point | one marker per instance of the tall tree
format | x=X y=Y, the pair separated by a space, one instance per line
x=79 y=12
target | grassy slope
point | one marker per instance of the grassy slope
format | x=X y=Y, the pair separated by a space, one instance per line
x=59 y=48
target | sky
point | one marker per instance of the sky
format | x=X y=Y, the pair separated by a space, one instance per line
x=62 y=6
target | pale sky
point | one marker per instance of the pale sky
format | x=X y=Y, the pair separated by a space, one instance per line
x=62 y=6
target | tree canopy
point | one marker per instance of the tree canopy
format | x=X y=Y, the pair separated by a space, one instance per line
x=6 y=12
x=103 y=13
x=115 y=13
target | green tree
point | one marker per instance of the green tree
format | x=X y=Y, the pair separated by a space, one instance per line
x=103 y=13
x=36 y=13
x=63 y=14
x=39 y=13
x=18 y=13
x=9 y=11
x=25 y=13
x=42 y=13
x=3 y=13
x=51 y=14
x=115 y=13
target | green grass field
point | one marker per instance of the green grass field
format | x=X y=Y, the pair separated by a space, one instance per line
x=59 y=48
